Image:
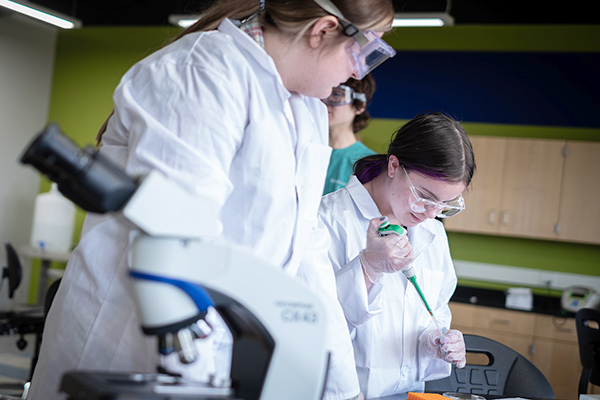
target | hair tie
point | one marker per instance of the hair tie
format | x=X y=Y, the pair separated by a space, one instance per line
x=262 y=5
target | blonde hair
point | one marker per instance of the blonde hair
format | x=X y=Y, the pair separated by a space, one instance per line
x=293 y=18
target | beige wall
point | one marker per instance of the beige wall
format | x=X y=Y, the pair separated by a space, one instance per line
x=26 y=69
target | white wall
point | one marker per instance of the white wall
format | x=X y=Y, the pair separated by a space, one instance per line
x=26 y=68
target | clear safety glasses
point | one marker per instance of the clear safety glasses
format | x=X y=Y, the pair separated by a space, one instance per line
x=343 y=95
x=368 y=50
x=444 y=209
x=368 y=54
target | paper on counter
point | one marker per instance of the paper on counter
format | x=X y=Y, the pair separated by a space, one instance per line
x=519 y=298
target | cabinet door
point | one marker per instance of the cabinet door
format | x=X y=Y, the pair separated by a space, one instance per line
x=579 y=211
x=500 y=320
x=555 y=352
x=531 y=187
x=560 y=364
x=462 y=314
x=482 y=200
x=519 y=343
x=555 y=328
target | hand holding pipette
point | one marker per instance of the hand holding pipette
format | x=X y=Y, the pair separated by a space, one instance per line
x=389 y=229
x=447 y=345
x=384 y=254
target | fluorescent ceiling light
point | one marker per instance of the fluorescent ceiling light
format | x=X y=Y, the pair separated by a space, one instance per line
x=183 y=20
x=400 y=19
x=422 y=19
x=41 y=13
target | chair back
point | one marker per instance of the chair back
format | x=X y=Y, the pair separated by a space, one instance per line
x=49 y=298
x=504 y=373
x=587 y=321
x=13 y=270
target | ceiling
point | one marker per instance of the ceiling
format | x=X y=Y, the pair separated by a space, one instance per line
x=156 y=12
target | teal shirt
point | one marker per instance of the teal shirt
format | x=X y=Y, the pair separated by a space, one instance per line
x=341 y=164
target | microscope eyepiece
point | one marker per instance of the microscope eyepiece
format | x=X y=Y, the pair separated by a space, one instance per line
x=84 y=176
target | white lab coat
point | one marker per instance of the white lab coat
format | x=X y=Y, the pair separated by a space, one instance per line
x=387 y=321
x=315 y=270
x=211 y=112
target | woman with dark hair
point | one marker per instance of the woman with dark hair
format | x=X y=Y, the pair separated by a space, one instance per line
x=397 y=347
x=348 y=114
x=231 y=112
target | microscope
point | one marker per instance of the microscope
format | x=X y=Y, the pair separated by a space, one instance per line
x=179 y=269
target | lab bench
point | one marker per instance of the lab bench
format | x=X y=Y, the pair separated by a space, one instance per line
x=546 y=335
x=549 y=305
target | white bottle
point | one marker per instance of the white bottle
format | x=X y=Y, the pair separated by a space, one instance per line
x=53 y=221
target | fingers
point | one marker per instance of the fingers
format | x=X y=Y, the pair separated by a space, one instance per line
x=429 y=343
x=457 y=359
x=374 y=224
x=453 y=336
x=453 y=347
x=384 y=254
x=381 y=226
x=400 y=254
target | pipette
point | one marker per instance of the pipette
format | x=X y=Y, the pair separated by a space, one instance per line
x=409 y=272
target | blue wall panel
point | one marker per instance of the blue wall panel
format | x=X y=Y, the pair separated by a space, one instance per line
x=550 y=89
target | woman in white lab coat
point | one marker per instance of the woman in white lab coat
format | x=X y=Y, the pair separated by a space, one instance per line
x=230 y=111
x=396 y=345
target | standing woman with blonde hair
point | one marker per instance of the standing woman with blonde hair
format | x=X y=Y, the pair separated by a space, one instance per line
x=230 y=111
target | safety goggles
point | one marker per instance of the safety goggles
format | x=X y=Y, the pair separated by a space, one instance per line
x=368 y=50
x=343 y=95
x=443 y=209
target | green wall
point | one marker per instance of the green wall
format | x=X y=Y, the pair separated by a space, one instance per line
x=89 y=64
x=91 y=61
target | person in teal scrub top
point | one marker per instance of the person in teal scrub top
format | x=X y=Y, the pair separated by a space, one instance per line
x=347 y=110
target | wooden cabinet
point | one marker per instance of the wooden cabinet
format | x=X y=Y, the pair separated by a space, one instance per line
x=462 y=316
x=500 y=320
x=555 y=352
x=482 y=201
x=533 y=188
x=579 y=212
x=549 y=342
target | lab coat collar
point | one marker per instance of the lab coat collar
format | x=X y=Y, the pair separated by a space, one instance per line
x=421 y=234
x=302 y=114
x=247 y=44
x=362 y=198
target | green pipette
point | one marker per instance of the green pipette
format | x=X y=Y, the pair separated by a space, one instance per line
x=409 y=272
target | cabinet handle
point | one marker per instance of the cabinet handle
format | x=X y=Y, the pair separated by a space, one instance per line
x=501 y=321
x=565 y=330
x=505 y=217
x=492 y=217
